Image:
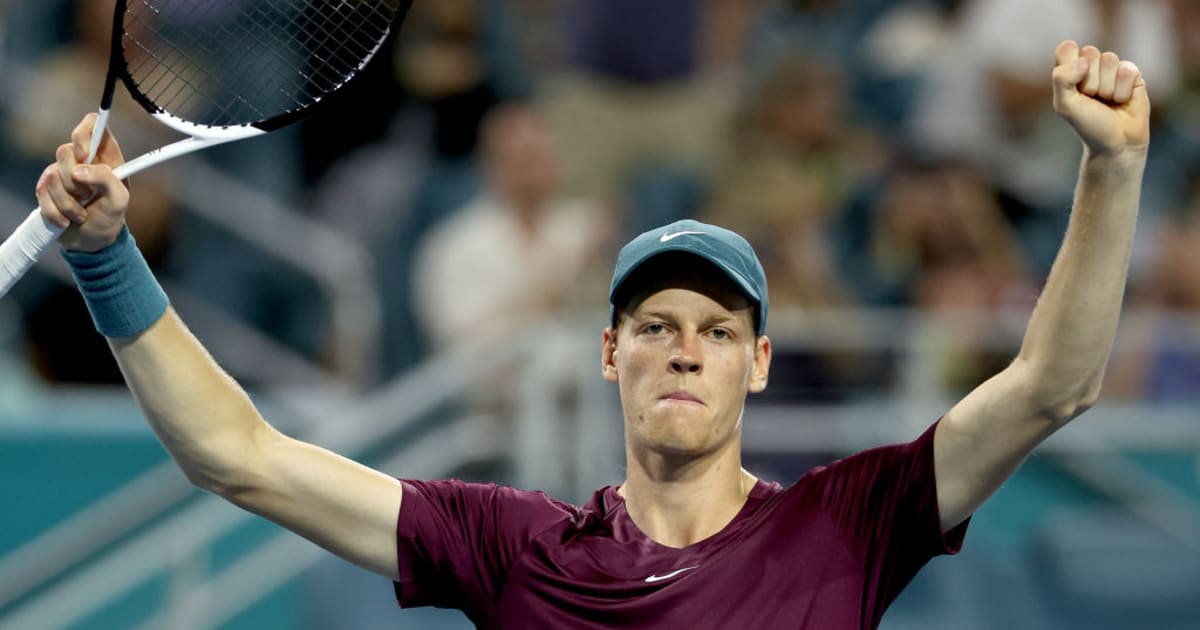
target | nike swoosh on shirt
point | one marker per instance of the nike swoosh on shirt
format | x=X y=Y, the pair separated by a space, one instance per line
x=659 y=578
x=674 y=235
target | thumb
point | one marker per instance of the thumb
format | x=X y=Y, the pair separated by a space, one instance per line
x=1070 y=69
x=97 y=176
x=103 y=183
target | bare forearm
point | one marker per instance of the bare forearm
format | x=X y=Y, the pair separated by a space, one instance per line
x=1071 y=332
x=203 y=418
x=213 y=431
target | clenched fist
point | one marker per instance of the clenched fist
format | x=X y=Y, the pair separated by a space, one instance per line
x=87 y=199
x=1103 y=97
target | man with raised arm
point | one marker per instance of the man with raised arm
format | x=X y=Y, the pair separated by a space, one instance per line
x=689 y=539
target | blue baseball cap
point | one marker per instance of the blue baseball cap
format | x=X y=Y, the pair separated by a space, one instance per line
x=725 y=249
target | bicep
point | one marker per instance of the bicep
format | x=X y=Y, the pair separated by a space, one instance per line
x=983 y=439
x=335 y=502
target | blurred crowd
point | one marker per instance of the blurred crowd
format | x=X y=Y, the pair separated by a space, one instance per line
x=878 y=153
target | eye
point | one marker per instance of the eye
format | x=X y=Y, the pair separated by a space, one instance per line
x=654 y=328
x=720 y=334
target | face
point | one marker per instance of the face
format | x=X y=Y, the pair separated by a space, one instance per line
x=684 y=356
x=522 y=155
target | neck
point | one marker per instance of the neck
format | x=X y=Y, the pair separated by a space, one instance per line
x=679 y=503
x=527 y=208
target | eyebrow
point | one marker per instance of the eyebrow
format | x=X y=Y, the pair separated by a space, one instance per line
x=706 y=320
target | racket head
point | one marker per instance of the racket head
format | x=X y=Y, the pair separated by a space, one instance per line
x=212 y=67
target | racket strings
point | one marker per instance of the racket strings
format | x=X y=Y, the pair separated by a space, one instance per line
x=164 y=62
x=235 y=62
x=359 y=45
x=181 y=95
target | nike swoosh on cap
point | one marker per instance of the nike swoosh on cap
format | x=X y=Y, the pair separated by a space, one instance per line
x=659 y=578
x=674 y=235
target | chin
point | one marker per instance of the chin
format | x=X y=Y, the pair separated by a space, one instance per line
x=678 y=442
x=672 y=441
x=677 y=432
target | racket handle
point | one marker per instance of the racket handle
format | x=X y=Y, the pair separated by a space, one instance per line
x=34 y=237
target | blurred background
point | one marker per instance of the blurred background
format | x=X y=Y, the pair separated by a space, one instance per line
x=416 y=277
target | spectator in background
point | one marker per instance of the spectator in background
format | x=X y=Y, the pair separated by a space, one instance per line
x=459 y=58
x=941 y=243
x=985 y=103
x=788 y=211
x=510 y=258
x=821 y=28
x=540 y=28
x=896 y=50
x=643 y=107
x=829 y=30
x=453 y=62
x=456 y=60
x=798 y=122
x=514 y=254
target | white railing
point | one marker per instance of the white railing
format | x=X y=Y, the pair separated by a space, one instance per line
x=341 y=267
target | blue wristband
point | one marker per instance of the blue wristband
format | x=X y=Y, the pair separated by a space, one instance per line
x=118 y=287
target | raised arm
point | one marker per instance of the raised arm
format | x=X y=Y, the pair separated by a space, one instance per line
x=1057 y=374
x=205 y=420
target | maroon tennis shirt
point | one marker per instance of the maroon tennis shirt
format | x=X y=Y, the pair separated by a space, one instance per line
x=831 y=551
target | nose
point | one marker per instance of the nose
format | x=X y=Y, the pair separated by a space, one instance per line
x=685 y=355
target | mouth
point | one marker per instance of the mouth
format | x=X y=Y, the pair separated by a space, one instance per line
x=682 y=397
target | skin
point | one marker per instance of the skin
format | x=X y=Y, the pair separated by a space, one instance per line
x=685 y=479
x=684 y=358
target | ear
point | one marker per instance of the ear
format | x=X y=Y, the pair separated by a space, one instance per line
x=762 y=364
x=608 y=354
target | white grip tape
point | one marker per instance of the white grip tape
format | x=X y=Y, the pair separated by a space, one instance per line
x=22 y=249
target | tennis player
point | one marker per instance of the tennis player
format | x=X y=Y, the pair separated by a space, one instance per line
x=689 y=539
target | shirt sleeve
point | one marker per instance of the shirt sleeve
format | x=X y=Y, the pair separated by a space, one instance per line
x=885 y=502
x=456 y=541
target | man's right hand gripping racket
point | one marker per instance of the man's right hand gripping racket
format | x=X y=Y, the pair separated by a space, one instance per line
x=221 y=71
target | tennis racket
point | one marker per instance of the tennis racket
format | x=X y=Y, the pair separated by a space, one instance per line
x=219 y=71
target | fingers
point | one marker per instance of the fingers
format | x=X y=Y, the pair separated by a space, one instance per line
x=1069 y=71
x=103 y=184
x=109 y=152
x=1090 y=72
x=65 y=162
x=68 y=192
x=58 y=206
x=1128 y=76
x=1091 y=85
x=1107 y=76
x=81 y=137
x=1066 y=54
